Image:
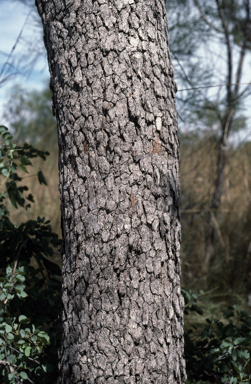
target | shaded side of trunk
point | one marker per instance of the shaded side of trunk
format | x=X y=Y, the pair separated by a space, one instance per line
x=113 y=96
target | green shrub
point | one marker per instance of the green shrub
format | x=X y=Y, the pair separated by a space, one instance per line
x=220 y=351
x=216 y=352
x=29 y=281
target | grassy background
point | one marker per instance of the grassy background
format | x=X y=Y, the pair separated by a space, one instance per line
x=228 y=276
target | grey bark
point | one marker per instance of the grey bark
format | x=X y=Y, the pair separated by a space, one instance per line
x=114 y=99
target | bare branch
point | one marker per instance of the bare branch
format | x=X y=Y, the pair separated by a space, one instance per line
x=203 y=17
x=229 y=49
x=246 y=36
x=12 y=51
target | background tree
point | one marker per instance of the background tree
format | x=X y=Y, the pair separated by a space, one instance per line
x=30 y=117
x=235 y=29
x=113 y=96
x=217 y=32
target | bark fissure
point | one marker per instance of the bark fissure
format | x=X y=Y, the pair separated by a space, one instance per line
x=113 y=95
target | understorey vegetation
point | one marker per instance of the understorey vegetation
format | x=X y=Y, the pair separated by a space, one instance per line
x=29 y=279
x=216 y=350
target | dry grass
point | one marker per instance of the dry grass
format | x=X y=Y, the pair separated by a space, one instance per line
x=47 y=201
x=231 y=267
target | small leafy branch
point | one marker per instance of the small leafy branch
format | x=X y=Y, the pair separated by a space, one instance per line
x=29 y=295
x=21 y=346
x=220 y=352
x=13 y=157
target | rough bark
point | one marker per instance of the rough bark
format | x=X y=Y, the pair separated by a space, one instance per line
x=114 y=99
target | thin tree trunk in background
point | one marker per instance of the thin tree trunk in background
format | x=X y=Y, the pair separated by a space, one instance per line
x=114 y=99
x=232 y=100
x=218 y=189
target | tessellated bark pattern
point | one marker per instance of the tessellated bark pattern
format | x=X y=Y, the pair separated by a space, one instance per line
x=114 y=99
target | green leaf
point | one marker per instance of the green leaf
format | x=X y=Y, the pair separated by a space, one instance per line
x=239 y=340
x=23 y=167
x=34 y=338
x=8 y=270
x=8 y=286
x=197 y=309
x=54 y=268
x=7 y=137
x=25 y=161
x=2 y=296
x=8 y=328
x=41 y=178
x=234 y=354
x=22 y=333
x=204 y=334
x=27 y=351
x=22 y=294
x=218 y=333
x=23 y=319
x=237 y=367
x=3 y=128
x=20 y=278
x=12 y=198
x=12 y=378
x=19 y=288
x=225 y=344
x=23 y=375
x=5 y=172
x=11 y=358
x=228 y=313
x=10 y=336
x=245 y=314
x=44 y=337
x=246 y=354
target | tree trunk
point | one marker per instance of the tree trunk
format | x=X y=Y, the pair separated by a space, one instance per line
x=218 y=188
x=114 y=99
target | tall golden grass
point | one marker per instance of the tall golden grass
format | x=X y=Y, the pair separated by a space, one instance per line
x=230 y=269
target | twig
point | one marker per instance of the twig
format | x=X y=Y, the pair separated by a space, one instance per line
x=212 y=86
x=203 y=17
x=15 y=267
